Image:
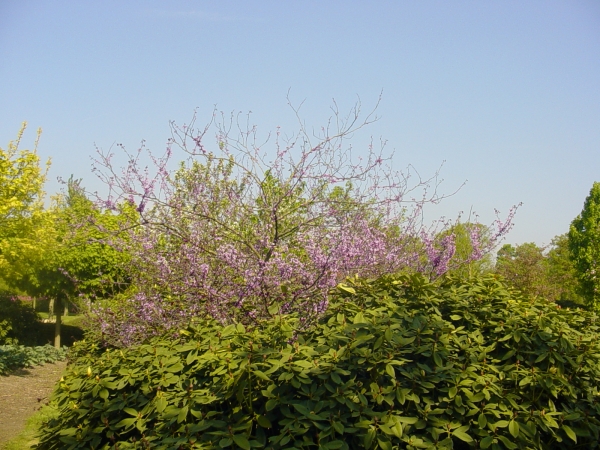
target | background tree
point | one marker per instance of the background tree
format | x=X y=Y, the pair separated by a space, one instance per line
x=23 y=231
x=524 y=267
x=561 y=274
x=584 y=244
x=72 y=261
x=81 y=266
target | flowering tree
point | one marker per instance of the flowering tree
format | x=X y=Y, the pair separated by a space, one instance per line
x=243 y=233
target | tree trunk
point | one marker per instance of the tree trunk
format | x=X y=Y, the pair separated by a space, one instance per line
x=50 y=308
x=57 y=309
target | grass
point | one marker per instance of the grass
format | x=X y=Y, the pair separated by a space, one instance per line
x=28 y=436
x=74 y=321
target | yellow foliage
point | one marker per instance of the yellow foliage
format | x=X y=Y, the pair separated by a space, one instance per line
x=24 y=225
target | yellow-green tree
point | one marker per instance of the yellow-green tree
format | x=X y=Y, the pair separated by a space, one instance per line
x=59 y=252
x=24 y=230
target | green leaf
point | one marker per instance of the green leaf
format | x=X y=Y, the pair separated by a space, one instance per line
x=507 y=442
x=345 y=288
x=336 y=378
x=388 y=335
x=126 y=422
x=390 y=371
x=567 y=429
x=482 y=420
x=407 y=420
x=131 y=411
x=261 y=375
x=182 y=414
x=241 y=441
x=513 y=427
x=359 y=318
x=302 y=409
x=334 y=444
x=369 y=436
x=339 y=427
x=525 y=381
x=263 y=421
x=378 y=343
x=461 y=434
x=486 y=442
x=191 y=356
x=161 y=404
x=387 y=430
x=384 y=444
x=225 y=442
x=501 y=424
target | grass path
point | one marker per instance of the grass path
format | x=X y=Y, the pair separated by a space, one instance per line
x=22 y=394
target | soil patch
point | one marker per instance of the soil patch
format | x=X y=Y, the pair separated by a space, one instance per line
x=22 y=393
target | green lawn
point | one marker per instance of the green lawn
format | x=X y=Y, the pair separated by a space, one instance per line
x=66 y=320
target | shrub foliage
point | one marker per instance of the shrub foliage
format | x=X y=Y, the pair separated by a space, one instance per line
x=14 y=357
x=396 y=362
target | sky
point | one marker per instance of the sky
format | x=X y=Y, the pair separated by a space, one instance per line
x=504 y=96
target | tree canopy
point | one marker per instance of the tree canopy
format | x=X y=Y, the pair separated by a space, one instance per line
x=23 y=230
x=584 y=243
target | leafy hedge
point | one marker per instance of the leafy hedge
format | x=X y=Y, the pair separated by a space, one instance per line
x=14 y=357
x=394 y=363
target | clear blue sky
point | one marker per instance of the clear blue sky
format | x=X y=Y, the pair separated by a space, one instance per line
x=506 y=92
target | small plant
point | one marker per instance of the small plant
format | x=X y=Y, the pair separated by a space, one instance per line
x=14 y=357
x=396 y=362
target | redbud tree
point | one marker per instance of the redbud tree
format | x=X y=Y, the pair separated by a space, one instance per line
x=244 y=229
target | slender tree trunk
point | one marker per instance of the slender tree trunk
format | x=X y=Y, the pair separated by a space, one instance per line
x=58 y=311
x=50 y=308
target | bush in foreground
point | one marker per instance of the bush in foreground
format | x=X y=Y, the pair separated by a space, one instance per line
x=394 y=363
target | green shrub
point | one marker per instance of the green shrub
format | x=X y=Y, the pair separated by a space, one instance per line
x=394 y=363
x=21 y=322
x=14 y=357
